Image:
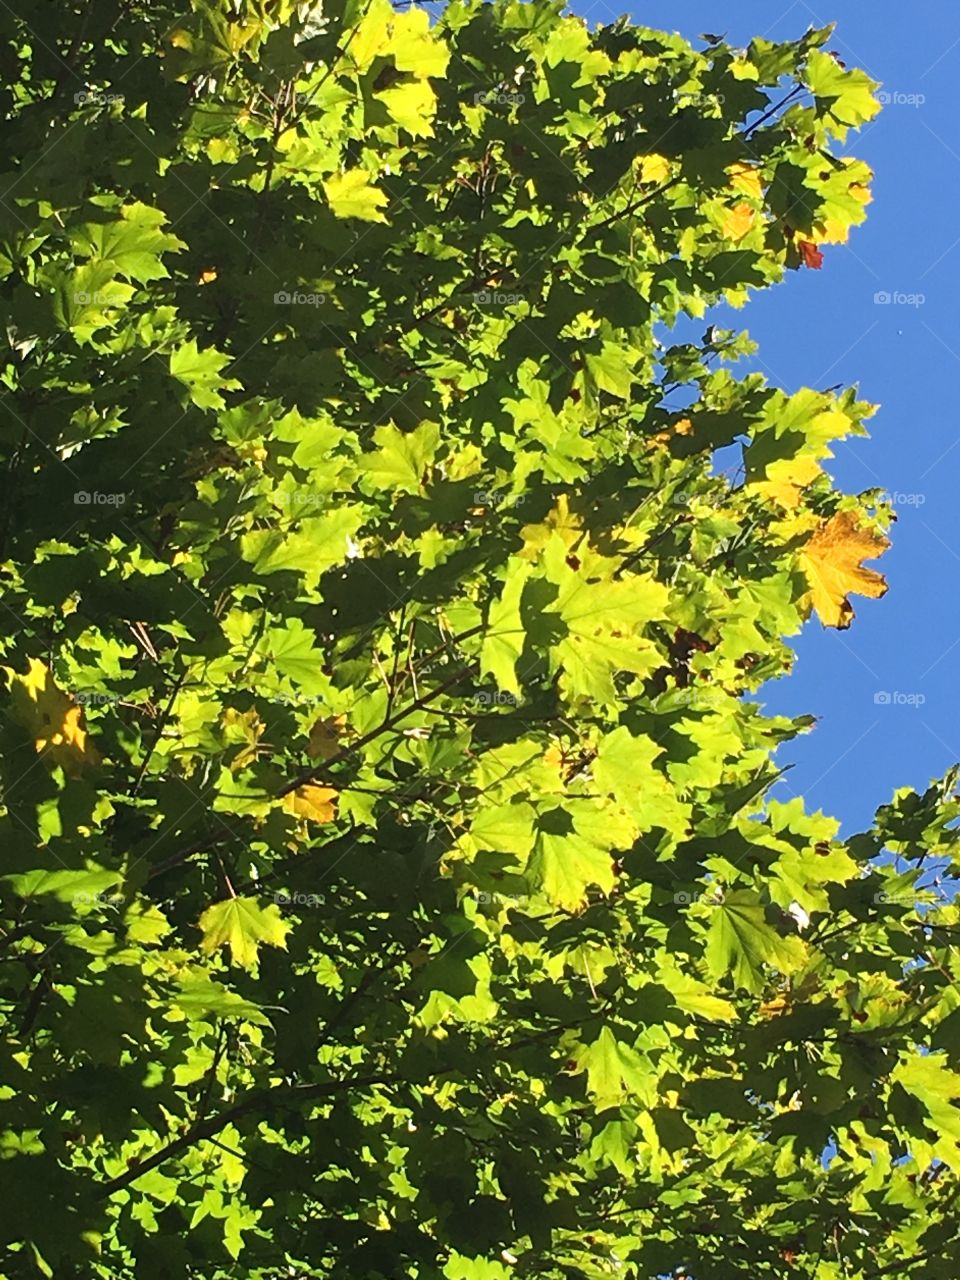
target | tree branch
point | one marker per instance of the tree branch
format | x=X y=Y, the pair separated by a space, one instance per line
x=261 y=1100
x=309 y=775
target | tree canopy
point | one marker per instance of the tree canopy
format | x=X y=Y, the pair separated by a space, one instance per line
x=390 y=885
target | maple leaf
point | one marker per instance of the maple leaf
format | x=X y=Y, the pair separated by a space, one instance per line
x=244 y=728
x=831 y=562
x=242 y=925
x=325 y=737
x=811 y=255
x=740 y=942
x=786 y=480
x=653 y=167
x=745 y=178
x=352 y=195
x=616 y=1072
x=311 y=802
x=51 y=717
x=738 y=221
x=559 y=520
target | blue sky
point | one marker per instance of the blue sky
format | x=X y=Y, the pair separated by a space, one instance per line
x=821 y=328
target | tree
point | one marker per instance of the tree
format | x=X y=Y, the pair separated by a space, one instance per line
x=390 y=884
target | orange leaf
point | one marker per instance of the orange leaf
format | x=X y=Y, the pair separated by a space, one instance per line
x=311 y=802
x=831 y=563
x=738 y=221
x=812 y=257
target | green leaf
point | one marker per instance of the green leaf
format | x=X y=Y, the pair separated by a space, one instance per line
x=459 y=1267
x=937 y=1087
x=292 y=651
x=131 y=244
x=402 y=457
x=88 y=298
x=615 y=1073
x=740 y=942
x=200 y=373
x=625 y=768
x=611 y=370
x=82 y=889
x=505 y=634
x=849 y=94
x=242 y=925
x=565 y=866
x=202 y=999
x=612 y=1145
x=320 y=543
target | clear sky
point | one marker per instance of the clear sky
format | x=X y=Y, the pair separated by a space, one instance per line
x=825 y=327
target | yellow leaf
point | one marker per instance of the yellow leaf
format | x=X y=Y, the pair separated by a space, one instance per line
x=242 y=925
x=745 y=178
x=412 y=106
x=414 y=47
x=325 y=737
x=404 y=37
x=786 y=479
x=831 y=231
x=222 y=151
x=559 y=520
x=352 y=195
x=831 y=563
x=311 y=802
x=242 y=727
x=738 y=221
x=368 y=40
x=653 y=168
x=51 y=717
x=835 y=227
